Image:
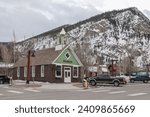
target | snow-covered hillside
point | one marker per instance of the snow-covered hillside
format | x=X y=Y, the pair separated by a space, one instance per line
x=118 y=34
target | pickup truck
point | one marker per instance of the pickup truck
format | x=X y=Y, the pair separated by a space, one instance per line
x=107 y=79
x=139 y=76
x=4 y=79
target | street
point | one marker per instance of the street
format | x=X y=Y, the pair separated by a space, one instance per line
x=131 y=91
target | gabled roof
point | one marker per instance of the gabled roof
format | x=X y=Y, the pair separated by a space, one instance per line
x=42 y=57
x=46 y=56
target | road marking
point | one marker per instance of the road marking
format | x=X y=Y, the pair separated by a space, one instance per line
x=136 y=84
x=6 y=87
x=12 y=91
x=116 y=92
x=83 y=90
x=137 y=94
x=32 y=90
x=110 y=87
x=100 y=91
x=1 y=94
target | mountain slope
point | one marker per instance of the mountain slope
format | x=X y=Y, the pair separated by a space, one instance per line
x=120 y=34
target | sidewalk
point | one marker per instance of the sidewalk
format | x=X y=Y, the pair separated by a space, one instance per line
x=62 y=86
x=46 y=85
x=22 y=84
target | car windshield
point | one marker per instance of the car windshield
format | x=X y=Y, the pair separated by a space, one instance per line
x=142 y=73
x=104 y=76
x=133 y=74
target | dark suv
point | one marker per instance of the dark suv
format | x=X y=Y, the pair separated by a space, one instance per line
x=4 y=79
x=140 y=76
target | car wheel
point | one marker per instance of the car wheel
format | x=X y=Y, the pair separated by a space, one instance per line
x=145 y=81
x=116 y=83
x=93 y=83
x=1 y=82
x=132 y=81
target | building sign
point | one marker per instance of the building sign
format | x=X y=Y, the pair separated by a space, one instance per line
x=93 y=69
x=67 y=61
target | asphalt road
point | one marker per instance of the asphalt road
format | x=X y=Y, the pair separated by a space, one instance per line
x=135 y=91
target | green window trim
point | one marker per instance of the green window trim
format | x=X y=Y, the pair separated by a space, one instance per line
x=67 y=55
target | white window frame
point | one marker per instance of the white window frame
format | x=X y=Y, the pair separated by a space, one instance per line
x=42 y=71
x=33 y=71
x=18 y=72
x=77 y=72
x=56 y=72
x=69 y=55
x=25 y=72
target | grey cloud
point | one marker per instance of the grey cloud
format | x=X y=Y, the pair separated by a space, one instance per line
x=24 y=19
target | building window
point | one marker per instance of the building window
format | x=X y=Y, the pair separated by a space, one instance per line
x=42 y=71
x=67 y=55
x=33 y=71
x=18 y=72
x=58 y=71
x=25 y=72
x=75 y=72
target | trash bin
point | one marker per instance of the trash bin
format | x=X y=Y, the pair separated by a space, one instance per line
x=10 y=82
x=85 y=83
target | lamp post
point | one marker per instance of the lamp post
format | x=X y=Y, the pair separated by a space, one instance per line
x=31 y=53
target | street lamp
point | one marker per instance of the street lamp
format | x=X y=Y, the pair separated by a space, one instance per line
x=31 y=53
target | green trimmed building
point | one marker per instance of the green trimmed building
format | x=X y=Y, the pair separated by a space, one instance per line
x=55 y=65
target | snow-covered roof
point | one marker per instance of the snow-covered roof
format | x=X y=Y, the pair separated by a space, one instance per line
x=6 y=65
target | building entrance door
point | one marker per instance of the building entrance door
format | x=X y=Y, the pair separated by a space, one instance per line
x=67 y=74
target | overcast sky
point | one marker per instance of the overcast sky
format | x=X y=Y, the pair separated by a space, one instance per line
x=31 y=17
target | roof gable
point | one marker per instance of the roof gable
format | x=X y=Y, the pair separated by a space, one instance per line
x=68 y=57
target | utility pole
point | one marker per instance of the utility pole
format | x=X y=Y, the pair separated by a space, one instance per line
x=31 y=53
x=28 y=67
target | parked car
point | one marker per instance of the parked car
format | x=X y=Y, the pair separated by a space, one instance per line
x=140 y=76
x=107 y=79
x=4 y=79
